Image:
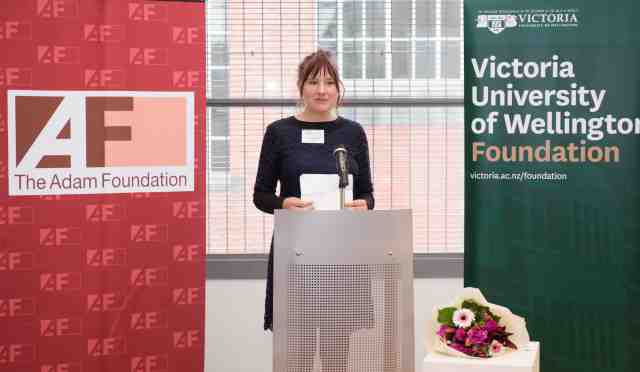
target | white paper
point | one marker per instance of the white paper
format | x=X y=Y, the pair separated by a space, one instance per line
x=312 y=136
x=323 y=190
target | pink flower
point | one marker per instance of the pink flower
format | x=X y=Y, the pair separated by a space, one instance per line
x=463 y=318
x=461 y=348
x=490 y=325
x=444 y=329
x=477 y=335
x=495 y=348
x=461 y=334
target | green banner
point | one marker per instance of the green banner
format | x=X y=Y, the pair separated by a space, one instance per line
x=552 y=113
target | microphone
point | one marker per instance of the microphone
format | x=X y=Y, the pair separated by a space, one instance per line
x=341 y=163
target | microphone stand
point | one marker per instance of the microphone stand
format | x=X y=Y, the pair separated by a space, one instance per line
x=343 y=172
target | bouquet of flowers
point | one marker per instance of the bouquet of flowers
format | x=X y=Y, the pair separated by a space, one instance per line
x=472 y=327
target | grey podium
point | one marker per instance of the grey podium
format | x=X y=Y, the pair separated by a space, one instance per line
x=343 y=291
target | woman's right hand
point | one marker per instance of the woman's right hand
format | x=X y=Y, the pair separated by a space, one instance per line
x=296 y=204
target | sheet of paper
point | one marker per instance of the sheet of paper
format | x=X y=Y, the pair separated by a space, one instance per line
x=323 y=190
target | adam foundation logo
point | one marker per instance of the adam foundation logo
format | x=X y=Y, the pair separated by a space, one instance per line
x=102 y=33
x=62 y=367
x=110 y=346
x=57 y=8
x=150 y=363
x=16 y=215
x=14 y=307
x=14 y=30
x=148 y=12
x=14 y=76
x=16 y=261
x=188 y=296
x=103 y=78
x=16 y=353
x=60 y=327
x=103 y=302
x=100 y=142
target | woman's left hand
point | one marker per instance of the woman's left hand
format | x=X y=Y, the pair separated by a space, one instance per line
x=358 y=205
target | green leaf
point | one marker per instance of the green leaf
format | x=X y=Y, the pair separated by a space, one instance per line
x=493 y=316
x=478 y=310
x=470 y=304
x=445 y=315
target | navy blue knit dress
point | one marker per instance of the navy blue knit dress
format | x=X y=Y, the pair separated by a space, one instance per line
x=284 y=157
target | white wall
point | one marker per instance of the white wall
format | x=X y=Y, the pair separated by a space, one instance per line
x=235 y=341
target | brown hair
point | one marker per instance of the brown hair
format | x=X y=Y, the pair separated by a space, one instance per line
x=316 y=62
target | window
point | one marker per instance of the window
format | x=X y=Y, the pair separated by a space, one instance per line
x=218 y=135
x=218 y=85
x=384 y=39
x=387 y=50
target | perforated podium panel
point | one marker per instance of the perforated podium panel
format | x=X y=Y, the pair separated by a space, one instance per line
x=343 y=291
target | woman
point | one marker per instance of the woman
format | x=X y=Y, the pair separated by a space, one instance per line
x=289 y=151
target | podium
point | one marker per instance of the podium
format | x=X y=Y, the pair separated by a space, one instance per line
x=343 y=291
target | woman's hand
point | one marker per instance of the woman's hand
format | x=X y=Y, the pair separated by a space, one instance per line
x=358 y=205
x=296 y=204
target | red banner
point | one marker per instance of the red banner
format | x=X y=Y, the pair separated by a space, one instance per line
x=102 y=185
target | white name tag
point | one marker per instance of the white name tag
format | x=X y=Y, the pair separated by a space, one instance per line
x=312 y=136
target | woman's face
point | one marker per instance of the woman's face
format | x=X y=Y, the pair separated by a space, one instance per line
x=320 y=93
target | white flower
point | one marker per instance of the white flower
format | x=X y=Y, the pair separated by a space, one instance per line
x=463 y=318
x=496 y=348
